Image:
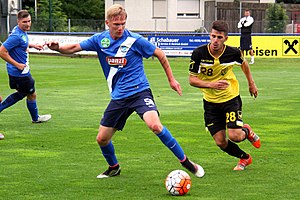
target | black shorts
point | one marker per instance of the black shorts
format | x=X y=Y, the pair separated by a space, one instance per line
x=245 y=42
x=219 y=115
x=24 y=85
x=118 y=111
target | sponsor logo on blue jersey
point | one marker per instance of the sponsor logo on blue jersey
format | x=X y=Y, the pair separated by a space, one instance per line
x=105 y=42
x=24 y=38
x=124 y=49
x=116 y=61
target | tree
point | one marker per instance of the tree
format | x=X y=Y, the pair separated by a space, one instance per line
x=87 y=9
x=87 y=15
x=27 y=4
x=288 y=1
x=276 y=18
x=56 y=20
x=75 y=9
x=50 y=16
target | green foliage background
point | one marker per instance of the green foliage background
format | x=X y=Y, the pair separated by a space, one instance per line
x=86 y=16
x=276 y=18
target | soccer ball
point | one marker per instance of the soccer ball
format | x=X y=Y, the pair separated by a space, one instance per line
x=178 y=183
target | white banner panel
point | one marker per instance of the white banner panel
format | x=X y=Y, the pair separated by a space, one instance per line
x=62 y=39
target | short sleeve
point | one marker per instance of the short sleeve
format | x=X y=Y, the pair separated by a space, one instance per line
x=194 y=68
x=144 y=47
x=11 y=42
x=88 y=44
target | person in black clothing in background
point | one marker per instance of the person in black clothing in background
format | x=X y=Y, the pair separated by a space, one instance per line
x=245 y=24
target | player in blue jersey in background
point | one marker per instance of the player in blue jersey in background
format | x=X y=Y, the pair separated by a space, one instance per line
x=15 y=52
x=121 y=53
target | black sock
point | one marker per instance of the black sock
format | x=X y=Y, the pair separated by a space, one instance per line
x=246 y=133
x=188 y=165
x=234 y=150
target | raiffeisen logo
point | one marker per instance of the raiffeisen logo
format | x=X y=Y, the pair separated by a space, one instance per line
x=116 y=61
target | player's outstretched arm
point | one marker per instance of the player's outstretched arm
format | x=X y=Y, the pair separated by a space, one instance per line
x=166 y=65
x=65 y=49
x=36 y=46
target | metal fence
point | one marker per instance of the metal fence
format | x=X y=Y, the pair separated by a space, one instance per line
x=70 y=25
x=264 y=26
x=79 y=25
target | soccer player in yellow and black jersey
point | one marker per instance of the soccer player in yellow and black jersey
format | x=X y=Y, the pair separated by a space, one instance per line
x=211 y=70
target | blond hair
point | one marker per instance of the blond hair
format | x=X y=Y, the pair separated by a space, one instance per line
x=115 y=10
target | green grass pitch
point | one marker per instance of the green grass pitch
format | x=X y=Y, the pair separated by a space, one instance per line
x=61 y=159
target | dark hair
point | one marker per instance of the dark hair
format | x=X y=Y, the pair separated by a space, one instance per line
x=23 y=14
x=220 y=26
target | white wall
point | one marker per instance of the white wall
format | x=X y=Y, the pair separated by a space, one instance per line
x=140 y=17
x=250 y=1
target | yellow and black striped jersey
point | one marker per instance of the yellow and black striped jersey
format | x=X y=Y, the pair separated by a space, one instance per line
x=208 y=68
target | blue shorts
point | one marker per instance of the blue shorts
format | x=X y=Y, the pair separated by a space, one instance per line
x=118 y=111
x=23 y=85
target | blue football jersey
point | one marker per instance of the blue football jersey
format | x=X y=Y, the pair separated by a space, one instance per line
x=17 y=45
x=121 y=61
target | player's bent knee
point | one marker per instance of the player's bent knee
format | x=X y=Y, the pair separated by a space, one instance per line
x=235 y=138
x=236 y=135
x=102 y=141
x=221 y=144
x=156 y=128
x=32 y=97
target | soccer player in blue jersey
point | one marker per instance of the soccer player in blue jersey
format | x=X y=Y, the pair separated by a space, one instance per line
x=15 y=52
x=211 y=70
x=121 y=53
